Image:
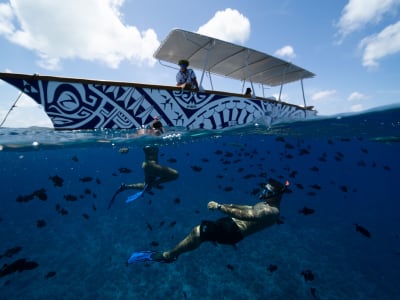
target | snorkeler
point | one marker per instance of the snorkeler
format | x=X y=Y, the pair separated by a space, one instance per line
x=155 y=174
x=240 y=222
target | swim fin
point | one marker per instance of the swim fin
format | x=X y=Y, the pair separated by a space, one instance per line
x=149 y=255
x=137 y=195
x=140 y=256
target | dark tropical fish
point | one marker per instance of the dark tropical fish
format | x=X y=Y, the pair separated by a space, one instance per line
x=57 y=180
x=205 y=160
x=11 y=252
x=25 y=198
x=75 y=158
x=249 y=176
x=85 y=216
x=41 y=223
x=361 y=163
x=98 y=181
x=364 y=150
x=230 y=267
x=289 y=156
x=196 y=168
x=218 y=152
x=345 y=139
x=280 y=139
x=177 y=200
x=311 y=194
x=315 y=186
x=172 y=160
x=94 y=207
x=308 y=275
x=154 y=244
x=86 y=179
x=172 y=224
x=303 y=151
x=299 y=186
x=314 y=169
x=228 y=154
x=228 y=188
x=306 y=211
x=363 y=231
x=386 y=168
x=70 y=197
x=125 y=170
x=18 y=266
x=344 y=188
x=50 y=274
x=272 y=268
x=149 y=226
x=41 y=194
x=293 y=174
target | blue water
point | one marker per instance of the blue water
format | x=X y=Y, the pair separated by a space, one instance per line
x=345 y=169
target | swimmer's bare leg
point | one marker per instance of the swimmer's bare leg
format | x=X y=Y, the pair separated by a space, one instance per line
x=189 y=243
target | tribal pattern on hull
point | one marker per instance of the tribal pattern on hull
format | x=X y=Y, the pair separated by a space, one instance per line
x=89 y=105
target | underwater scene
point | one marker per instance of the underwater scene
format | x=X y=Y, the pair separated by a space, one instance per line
x=67 y=230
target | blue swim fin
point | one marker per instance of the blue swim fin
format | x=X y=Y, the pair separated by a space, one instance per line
x=140 y=256
x=137 y=195
x=143 y=256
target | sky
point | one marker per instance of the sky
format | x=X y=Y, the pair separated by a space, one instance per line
x=353 y=46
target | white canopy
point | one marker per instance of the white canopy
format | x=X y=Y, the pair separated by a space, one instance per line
x=227 y=59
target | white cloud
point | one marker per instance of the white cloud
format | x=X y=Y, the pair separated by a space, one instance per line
x=356 y=96
x=228 y=25
x=380 y=45
x=89 y=30
x=286 y=52
x=356 y=108
x=323 y=95
x=358 y=13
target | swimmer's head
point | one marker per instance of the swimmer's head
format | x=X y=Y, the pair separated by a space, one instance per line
x=273 y=189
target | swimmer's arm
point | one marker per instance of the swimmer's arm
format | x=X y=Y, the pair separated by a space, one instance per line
x=242 y=212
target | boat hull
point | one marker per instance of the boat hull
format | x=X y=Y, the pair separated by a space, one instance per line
x=74 y=103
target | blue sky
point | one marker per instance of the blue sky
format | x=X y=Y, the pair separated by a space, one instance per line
x=352 y=46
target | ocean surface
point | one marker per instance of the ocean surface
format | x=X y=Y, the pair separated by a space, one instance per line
x=338 y=236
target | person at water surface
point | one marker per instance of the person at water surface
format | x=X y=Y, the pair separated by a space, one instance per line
x=186 y=78
x=240 y=222
x=155 y=174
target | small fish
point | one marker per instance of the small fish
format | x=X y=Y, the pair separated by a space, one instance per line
x=50 y=274
x=177 y=200
x=86 y=179
x=41 y=223
x=85 y=216
x=196 y=168
x=75 y=158
x=172 y=160
x=272 y=268
x=123 y=150
x=228 y=189
x=154 y=244
x=230 y=267
x=41 y=194
x=308 y=275
x=314 y=169
x=57 y=180
x=11 y=252
x=70 y=197
x=306 y=211
x=125 y=170
x=363 y=231
x=315 y=186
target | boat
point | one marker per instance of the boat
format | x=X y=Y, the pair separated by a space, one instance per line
x=76 y=103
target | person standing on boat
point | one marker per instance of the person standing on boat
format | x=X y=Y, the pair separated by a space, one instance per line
x=186 y=78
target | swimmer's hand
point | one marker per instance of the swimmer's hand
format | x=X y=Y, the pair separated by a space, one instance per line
x=212 y=205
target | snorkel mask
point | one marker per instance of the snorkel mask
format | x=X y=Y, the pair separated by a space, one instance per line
x=273 y=189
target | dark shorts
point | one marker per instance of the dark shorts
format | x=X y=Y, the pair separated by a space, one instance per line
x=223 y=231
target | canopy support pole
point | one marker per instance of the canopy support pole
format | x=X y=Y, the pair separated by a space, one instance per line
x=12 y=107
